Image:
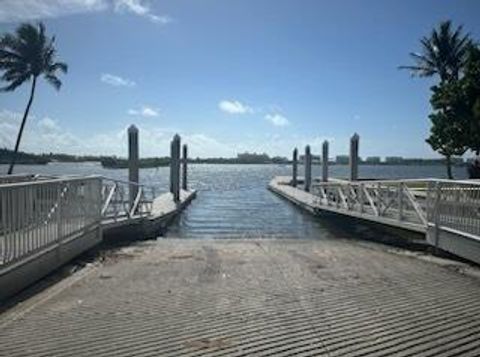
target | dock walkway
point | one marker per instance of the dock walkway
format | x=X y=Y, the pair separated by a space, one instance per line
x=45 y=222
x=447 y=212
x=179 y=297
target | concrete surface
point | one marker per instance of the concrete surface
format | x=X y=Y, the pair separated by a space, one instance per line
x=252 y=298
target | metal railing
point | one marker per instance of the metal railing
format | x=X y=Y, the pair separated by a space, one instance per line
x=399 y=201
x=454 y=206
x=37 y=214
x=445 y=204
x=116 y=202
x=4 y=179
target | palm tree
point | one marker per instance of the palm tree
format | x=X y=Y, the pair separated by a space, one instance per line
x=26 y=55
x=443 y=53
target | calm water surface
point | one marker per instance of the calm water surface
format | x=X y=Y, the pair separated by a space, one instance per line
x=233 y=201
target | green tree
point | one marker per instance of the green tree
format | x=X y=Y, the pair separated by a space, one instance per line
x=471 y=88
x=450 y=126
x=443 y=53
x=25 y=55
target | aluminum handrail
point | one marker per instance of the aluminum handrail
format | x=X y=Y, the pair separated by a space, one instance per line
x=372 y=181
x=54 y=180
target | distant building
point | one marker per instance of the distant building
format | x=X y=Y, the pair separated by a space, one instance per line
x=373 y=160
x=342 y=159
x=394 y=160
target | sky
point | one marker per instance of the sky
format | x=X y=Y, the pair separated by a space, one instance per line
x=231 y=75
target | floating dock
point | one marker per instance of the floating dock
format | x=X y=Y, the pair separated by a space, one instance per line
x=447 y=212
x=46 y=221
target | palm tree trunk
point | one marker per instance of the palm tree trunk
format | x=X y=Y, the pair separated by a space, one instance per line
x=22 y=126
x=449 y=167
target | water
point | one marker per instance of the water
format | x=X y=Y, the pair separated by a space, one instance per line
x=233 y=201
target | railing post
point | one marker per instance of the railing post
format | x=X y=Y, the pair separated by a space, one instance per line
x=3 y=222
x=294 y=167
x=354 y=157
x=172 y=165
x=59 y=215
x=325 y=161
x=337 y=196
x=185 y=167
x=308 y=168
x=379 y=199
x=175 y=168
x=400 y=201
x=436 y=215
x=361 y=197
x=133 y=164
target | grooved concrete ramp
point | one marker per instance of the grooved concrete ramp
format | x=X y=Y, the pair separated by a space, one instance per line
x=252 y=298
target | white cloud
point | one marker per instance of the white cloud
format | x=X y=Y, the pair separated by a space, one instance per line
x=116 y=81
x=234 y=107
x=140 y=8
x=48 y=125
x=21 y=10
x=145 y=111
x=25 y=10
x=277 y=119
x=49 y=135
x=42 y=135
x=9 y=124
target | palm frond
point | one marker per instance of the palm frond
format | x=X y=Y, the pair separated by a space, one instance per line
x=443 y=53
x=58 y=66
x=28 y=52
x=15 y=83
x=8 y=55
x=53 y=80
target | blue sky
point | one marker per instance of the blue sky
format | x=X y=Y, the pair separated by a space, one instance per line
x=231 y=76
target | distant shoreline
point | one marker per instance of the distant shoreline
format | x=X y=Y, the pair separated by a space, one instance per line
x=223 y=162
x=112 y=162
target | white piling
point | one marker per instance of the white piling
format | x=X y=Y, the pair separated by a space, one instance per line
x=175 y=168
x=354 y=157
x=133 y=163
x=294 y=167
x=308 y=168
x=325 y=161
x=185 y=167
